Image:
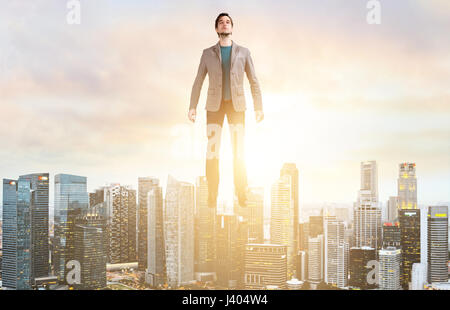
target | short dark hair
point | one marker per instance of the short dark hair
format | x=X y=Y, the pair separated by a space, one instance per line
x=220 y=15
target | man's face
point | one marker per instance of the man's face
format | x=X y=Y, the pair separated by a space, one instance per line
x=224 y=26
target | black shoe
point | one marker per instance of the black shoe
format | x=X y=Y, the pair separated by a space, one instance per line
x=212 y=200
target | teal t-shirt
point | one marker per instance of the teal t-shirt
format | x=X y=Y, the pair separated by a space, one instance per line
x=225 y=52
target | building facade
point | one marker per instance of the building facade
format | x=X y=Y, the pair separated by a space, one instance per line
x=438 y=244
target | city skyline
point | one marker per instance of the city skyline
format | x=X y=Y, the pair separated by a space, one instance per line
x=228 y=202
x=192 y=233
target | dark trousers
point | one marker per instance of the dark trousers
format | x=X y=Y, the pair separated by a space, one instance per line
x=236 y=121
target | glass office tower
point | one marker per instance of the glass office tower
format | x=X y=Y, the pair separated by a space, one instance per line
x=39 y=224
x=71 y=199
x=16 y=264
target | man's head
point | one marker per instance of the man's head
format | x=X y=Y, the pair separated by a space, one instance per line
x=224 y=25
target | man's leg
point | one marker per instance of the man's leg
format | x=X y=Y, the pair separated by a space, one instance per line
x=214 y=122
x=237 y=132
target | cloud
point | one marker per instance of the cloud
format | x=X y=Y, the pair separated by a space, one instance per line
x=106 y=94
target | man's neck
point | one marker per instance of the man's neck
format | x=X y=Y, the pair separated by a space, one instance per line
x=225 y=41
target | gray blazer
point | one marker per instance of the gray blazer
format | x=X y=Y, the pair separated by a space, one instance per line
x=210 y=63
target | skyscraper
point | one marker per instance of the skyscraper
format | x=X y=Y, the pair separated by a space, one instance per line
x=16 y=260
x=410 y=242
x=367 y=212
x=437 y=244
x=231 y=238
x=121 y=201
x=419 y=276
x=315 y=259
x=392 y=208
x=90 y=250
x=315 y=225
x=39 y=224
x=156 y=266
x=71 y=200
x=367 y=222
x=391 y=235
x=359 y=269
x=282 y=219
x=291 y=170
x=407 y=186
x=205 y=224
x=336 y=253
x=303 y=229
x=389 y=270
x=369 y=178
x=179 y=232
x=145 y=184
x=302 y=266
x=253 y=213
x=265 y=265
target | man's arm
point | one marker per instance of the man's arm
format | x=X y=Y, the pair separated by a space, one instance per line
x=254 y=85
x=197 y=87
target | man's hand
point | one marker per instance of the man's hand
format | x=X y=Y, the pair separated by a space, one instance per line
x=259 y=116
x=192 y=114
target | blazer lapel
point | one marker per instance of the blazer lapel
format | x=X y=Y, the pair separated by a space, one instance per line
x=217 y=50
x=234 y=50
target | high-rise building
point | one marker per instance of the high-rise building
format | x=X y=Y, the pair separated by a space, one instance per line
x=407 y=186
x=91 y=243
x=367 y=222
x=253 y=213
x=291 y=170
x=315 y=259
x=369 y=178
x=359 y=267
x=392 y=209
x=315 y=225
x=205 y=224
x=282 y=219
x=121 y=201
x=336 y=252
x=16 y=222
x=71 y=200
x=391 y=235
x=424 y=236
x=179 y=232
x=265 y=265
x=367 y=212
x=39 y=224
x=419 y=276
x=410 y=242
x=389 y=269
x=302 y=266
x=145 y=184
x=231 y=238
x=349 y=236
x=303 y=229
x=97 y=197
x=156 y=266
x=437 y=244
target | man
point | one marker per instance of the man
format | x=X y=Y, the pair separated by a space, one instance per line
x=225 y=64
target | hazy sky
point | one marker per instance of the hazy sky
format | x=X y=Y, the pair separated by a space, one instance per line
x=108 y=98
